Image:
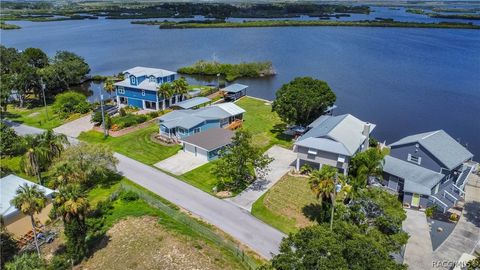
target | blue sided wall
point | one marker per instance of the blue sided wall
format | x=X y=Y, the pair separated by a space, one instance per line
x=135 y=103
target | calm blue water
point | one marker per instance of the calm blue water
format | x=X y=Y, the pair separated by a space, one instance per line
x=403 y=80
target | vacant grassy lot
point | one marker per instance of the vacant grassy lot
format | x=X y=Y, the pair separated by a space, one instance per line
x=143 y=243
x=37 y=117
x=136 y=145
x=284 y=204
x=265 y=125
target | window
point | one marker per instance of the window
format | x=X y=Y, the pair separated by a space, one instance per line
x=341 y=158
x=150 y=105
x=182 y=130
x=312 y=151
x=196 y=130
x=121 y=90
x=123 y=100
x=414 y=159
x=143 y=92
x=152 y=79
x=133 y=80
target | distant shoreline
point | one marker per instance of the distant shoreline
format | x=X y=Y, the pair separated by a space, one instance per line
x=290 y=23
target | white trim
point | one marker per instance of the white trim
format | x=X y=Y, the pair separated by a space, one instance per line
x=454 y=198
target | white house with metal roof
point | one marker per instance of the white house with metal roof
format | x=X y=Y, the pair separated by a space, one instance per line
x=15 y=221
x=183 y=123
x=426 y=168
x=140 y=88
x=332 y=140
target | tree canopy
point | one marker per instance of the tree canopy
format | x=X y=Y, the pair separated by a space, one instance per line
x=303 y=100
x=240 y=163
x=70 y=102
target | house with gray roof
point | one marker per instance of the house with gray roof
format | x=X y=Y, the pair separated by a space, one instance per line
x=332 y=140
x=183 y=123
x=208 y=144
x=428 y=168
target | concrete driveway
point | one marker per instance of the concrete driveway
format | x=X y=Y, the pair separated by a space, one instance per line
x=22 y=129
x=418 y=252
x=75 y=127
x=283 y=161
x=181 y=163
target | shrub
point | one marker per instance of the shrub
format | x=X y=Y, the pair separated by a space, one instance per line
x=153 y=114
x=454 y=217
x=26 y=261
x=372 y=142
x=129 y=196
x=430 y=210
x=128 y=120
x=122 y=112
x=59 y=262
x=70 y=102
x=306 y=169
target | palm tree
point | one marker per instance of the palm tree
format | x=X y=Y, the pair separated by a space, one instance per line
x=365 y=165
x=108 y=85
x=324 y=183
x=165 y=91
x=180 y=86
x=72 y=205
x=30 y=200
x=55 y=143
x=35 y=157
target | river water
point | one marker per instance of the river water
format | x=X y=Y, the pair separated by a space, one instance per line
x=403 y=80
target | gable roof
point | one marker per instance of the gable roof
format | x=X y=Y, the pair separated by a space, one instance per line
x=234 y=88
x=211 y=139
x=441 y=145
x=416 y=178
x=190 y=103
x=147 y=71
x=8 y=188
x=191 y=118
x=345 y=129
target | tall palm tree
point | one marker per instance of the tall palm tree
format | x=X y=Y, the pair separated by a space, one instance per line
x=180 y=86
x=108 y=85
x=71 y=203
x=365 y=165
x=35 y=156
x=55 y=143
x=165 y=91
x=30 y=200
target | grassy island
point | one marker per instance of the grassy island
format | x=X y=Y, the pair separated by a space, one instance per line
x=6 y=26
x=229 y=71
x=284 y=23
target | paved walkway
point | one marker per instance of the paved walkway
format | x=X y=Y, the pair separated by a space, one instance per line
x=181 y=163
x=283 y=159
x=240 y=224
x=466 y=234
x=22 y=129
x=418 y=252
x=237 y=222
x=75 y=127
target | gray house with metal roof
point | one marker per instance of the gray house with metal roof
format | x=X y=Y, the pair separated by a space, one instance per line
x=428 y=168
x=332 y=140
x=208 y=144
x=183 y=123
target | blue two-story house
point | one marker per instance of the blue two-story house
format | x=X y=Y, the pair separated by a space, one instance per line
x=140 y=88
x=428 y=168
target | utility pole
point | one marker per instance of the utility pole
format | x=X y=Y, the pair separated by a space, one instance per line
x=44 y=99
x=333 y=200
x=103 y=117
x=218 y=80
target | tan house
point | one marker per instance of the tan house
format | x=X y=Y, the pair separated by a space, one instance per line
x=15 y=222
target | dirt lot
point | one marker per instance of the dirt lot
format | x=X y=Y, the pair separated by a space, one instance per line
x=141 y=243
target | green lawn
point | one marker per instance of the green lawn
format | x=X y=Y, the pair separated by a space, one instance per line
x=137 y=145
x=11 y=165
x=265 y=125
x=201 y=177
x=36 y=117
x=283 y=205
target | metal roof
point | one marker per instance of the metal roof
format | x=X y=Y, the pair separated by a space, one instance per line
x=324 y=144
x=193 y=102
x=234 y=88
x=8 y=188
x=441 y=145
x=147 y=71
x=211 y=139
x=417 y=179
x=345 y=129
x=144 y=85
x=190 y=118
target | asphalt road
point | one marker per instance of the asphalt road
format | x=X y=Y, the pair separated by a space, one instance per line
x=237 y=222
